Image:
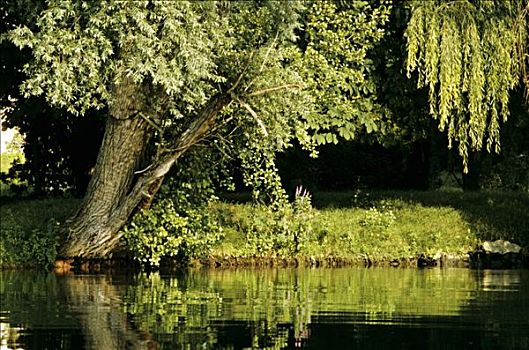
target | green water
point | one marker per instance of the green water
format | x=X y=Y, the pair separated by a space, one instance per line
x=348 y=308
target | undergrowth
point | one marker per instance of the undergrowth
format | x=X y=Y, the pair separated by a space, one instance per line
x=379 y=225
x=29 y=230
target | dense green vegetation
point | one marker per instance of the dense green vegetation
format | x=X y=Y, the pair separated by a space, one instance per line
x=29 y=230
x=6 y=160
x=151 y=109
x=375 y=225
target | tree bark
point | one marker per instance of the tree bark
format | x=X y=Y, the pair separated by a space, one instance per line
x=116 y=189
x=90 y=230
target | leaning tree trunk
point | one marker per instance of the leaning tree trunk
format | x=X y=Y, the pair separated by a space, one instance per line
x=116 y=188
x=91 y=230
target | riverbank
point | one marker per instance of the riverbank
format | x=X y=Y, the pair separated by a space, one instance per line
x=375 y=228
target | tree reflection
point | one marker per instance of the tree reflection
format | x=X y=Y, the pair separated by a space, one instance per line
x=267 y=309
x=104 y=324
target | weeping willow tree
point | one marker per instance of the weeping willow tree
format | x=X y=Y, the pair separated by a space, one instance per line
x=469 y=54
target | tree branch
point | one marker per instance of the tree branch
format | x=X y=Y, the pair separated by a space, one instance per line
x=151 y=123
x=252 y=113
x=267 y=54
x=239 y=78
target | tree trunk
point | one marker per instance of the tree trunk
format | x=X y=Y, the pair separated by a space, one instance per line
x=91 y=230
x=116 y=190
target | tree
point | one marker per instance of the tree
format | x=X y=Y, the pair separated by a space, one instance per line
x=171 y=75
x=470 y=54
x=59 y=148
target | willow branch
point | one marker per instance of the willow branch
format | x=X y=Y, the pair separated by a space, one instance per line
x=239 y=78
x=151 y=123
x=252 y=113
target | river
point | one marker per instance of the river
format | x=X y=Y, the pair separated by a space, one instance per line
x=341 y=308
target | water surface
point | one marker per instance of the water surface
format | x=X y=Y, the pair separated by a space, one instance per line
x=346 y=308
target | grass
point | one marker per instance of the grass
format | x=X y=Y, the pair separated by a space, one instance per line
x=489 y=215
x=386 y=225
x=393 y=230
x=381 y=225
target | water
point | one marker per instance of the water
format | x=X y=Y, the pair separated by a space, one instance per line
x=348 y=308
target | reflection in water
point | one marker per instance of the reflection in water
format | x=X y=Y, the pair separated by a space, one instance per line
x=491 y=280
x=104 y=324
x=268 y=309
x=9 y=336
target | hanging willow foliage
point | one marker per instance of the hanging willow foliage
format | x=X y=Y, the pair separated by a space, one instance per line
x=469 y=54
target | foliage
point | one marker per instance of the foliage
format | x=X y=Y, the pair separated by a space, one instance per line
x=338 y=71
x=16 y=144
x=378 y=217
x=8 y=159
x=175 y=46
x=29 y=231
x=284 y=232
x=180 y=223
x=59 y=148
x=174 y=226
x=470 y=55
x=404 y=103
x=34 y=248
x=240 y=42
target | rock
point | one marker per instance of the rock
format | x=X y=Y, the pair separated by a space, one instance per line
x=498 y=254
x=437 y=256
x=500 y=247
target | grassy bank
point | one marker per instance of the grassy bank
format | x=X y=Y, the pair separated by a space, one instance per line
x=385 y=225
x=376 y=225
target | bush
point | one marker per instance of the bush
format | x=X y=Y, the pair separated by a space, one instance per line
x=172 y=227
x=282 y=231
x=21 y=247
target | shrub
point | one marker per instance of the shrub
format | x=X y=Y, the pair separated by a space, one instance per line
x=283 y=231
x=172 y=227
x=36 y=247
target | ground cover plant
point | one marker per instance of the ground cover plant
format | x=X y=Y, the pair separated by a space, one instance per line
x=374 y=225
x=383 y=225
x=28 y=230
